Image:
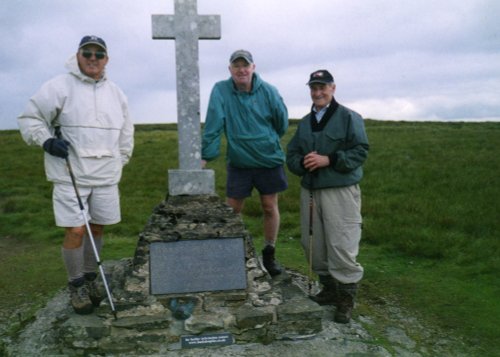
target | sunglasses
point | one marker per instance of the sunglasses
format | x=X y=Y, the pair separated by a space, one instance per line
x=98 y=55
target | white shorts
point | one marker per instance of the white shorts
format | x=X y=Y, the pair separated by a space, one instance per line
x=101 y=205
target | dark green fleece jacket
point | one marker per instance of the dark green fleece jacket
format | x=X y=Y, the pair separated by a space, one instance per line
x=341 y=136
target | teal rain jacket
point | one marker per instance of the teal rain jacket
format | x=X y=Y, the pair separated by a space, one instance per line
x=253 y=124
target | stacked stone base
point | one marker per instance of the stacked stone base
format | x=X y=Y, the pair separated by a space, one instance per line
x=269 y=309
x=282 y=311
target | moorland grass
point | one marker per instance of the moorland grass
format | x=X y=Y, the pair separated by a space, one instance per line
x=430 y=209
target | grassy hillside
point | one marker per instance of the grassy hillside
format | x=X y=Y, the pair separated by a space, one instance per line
x=430 y=205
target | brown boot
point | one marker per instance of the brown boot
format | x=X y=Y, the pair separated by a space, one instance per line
x=327 y=295
x=79 y=298
x=346 y=296
x=270 y=263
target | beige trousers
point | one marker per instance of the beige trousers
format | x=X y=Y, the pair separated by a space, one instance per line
x=336 y=231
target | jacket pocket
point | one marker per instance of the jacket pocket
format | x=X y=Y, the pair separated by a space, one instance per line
x=258 y=146
x=96 y=142
x=94 y=152
x=331 y=143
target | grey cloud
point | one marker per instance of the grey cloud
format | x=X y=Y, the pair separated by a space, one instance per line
x=421 y=59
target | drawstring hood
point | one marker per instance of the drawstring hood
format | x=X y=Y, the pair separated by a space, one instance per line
x=72 y=66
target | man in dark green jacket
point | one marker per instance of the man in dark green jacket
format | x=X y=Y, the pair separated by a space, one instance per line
x=328 y=151
x=253 y=117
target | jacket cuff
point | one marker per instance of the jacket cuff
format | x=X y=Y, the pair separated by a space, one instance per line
x=333 y=159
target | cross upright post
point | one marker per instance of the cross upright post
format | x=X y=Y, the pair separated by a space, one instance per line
x=186 y=27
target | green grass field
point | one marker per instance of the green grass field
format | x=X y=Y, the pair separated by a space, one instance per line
x=431 y=196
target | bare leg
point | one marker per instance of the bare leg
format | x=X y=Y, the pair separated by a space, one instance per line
x=236 y=203
x=73 y=237
x=271 y=213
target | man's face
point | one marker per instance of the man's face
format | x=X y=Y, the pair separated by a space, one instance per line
x=92 y=66
x=321 y=94
x=242 y=72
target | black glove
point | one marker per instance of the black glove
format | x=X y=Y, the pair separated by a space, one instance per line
x=56 y=147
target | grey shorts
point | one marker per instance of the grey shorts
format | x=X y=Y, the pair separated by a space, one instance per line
x=240 y=182
x=101 y=205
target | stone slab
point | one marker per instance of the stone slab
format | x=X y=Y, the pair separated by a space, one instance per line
x=189 y=266
x=191 y=182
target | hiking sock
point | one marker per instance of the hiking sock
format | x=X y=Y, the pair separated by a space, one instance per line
x=73 y=261
x=89 y=258
x=272 y=243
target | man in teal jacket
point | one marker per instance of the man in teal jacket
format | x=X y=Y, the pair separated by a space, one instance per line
x=253 y=117
x=328 y=151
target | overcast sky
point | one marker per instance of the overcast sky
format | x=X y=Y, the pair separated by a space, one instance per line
x=391 y=59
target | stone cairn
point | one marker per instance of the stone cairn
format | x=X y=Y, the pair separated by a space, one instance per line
x=269 y=309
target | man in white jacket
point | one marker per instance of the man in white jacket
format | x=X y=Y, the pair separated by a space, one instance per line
x=97 y=136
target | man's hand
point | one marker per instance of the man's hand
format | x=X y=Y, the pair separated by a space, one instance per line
x=56 y=147
x=314 y=161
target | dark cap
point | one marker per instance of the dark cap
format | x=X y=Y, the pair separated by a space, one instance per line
x=320 y=76
x=94 y=40
x=247 y=56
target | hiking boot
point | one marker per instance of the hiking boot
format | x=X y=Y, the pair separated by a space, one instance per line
x=96 y=294
x=327 y=295
x=79 y=299
x=346 y=296
x=270 y=263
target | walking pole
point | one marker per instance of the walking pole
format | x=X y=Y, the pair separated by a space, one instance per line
x=310 y=238
x=89 y=232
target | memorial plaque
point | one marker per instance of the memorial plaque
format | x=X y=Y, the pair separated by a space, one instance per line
x=216 y=339
x=190 y=266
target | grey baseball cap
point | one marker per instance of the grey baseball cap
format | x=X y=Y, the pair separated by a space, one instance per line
x=247 y=56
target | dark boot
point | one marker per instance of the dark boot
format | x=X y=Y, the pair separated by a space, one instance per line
x=270 y=263
x=327 y=295
x=79 y=297
x=346 y=296
x=96 y=293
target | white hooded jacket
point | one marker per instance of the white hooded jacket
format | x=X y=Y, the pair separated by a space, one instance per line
x=93 y=117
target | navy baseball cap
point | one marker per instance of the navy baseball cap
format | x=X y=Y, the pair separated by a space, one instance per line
x=320 y=76
x=94 y=40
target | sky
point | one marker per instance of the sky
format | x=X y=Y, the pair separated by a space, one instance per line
x=423 y=60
